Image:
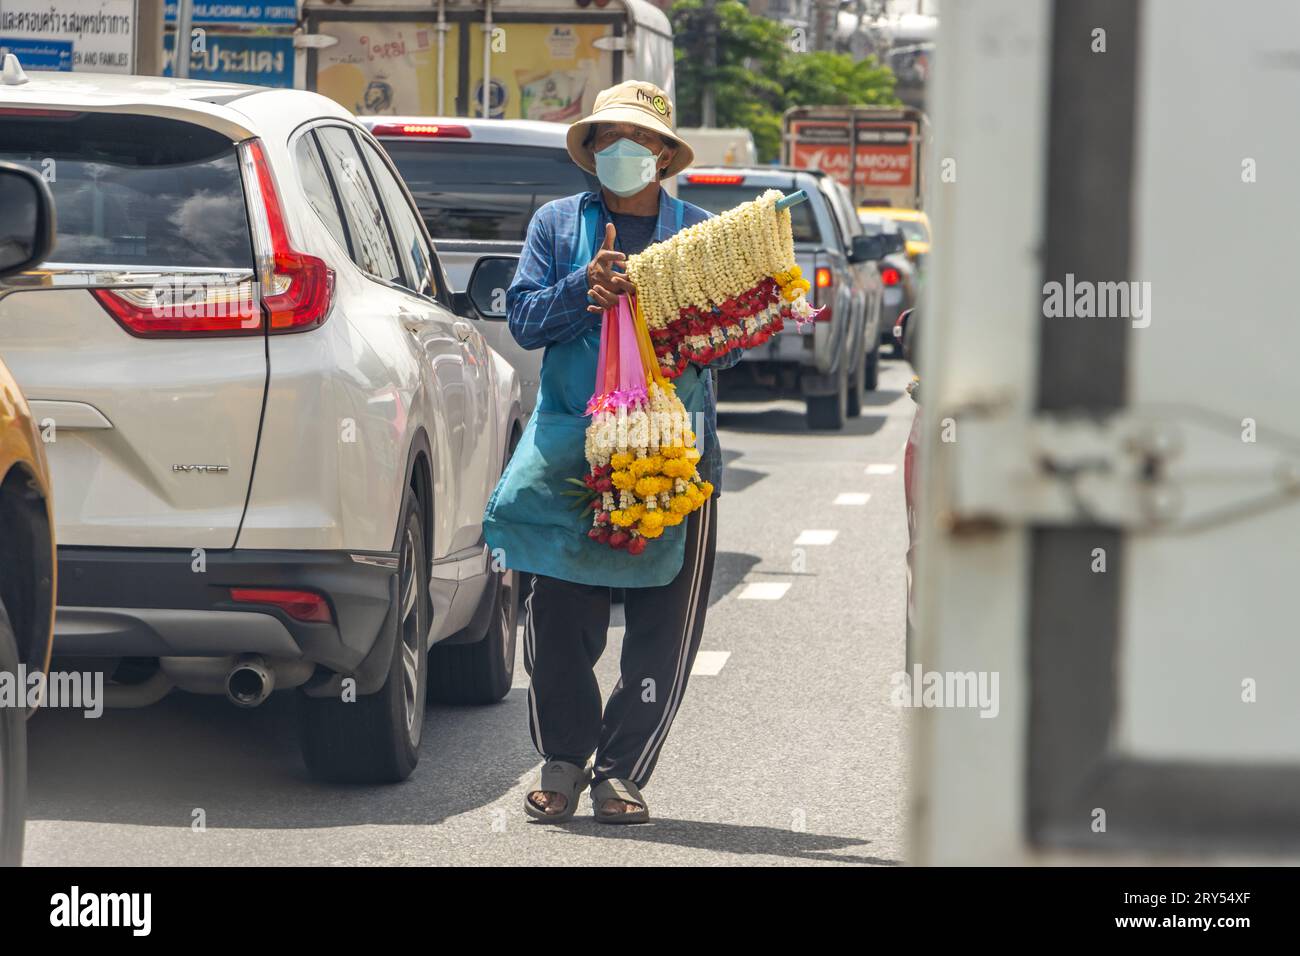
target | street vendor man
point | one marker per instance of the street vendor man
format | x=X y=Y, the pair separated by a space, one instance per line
x=570 y=272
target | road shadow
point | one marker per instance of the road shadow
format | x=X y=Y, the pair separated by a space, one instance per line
x=729 y=571
x=765 y=419
x=737 y=479
x=883 y=396
x=154 y=766
x=736 y=838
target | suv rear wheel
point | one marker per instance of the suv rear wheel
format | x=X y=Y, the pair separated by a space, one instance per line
x=376 y=738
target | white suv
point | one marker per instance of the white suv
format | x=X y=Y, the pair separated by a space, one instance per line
x=271 y=438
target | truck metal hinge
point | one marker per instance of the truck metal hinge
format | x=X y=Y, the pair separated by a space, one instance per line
x=1168 y=469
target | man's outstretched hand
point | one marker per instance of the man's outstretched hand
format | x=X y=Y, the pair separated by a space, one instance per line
x=604 y=285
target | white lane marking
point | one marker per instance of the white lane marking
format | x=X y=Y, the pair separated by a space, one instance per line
x=709 y=663
x=881 y=469
x=764 y=591
x=815 y=537
x=852 y=498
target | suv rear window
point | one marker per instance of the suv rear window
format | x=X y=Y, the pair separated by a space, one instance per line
x=717 y=199
x=484 y=190
x=136 y=190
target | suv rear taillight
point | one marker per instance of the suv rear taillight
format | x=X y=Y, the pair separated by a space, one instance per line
x=439 y=130
x=296 y=288
x=179 y=305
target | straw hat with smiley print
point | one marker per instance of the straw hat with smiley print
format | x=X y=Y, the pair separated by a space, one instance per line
x=639 y=103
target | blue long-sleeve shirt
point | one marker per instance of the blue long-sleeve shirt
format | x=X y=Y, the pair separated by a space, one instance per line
x=547 y=302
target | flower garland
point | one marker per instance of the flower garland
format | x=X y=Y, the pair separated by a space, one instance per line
x=725 y=283
x=640 y=449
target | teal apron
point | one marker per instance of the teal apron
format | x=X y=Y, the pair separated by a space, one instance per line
x=529 y=524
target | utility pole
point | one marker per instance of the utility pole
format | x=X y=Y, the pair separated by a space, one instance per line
x=149 y=37
x=708 y=105
x=181 y=46
x=825 y=20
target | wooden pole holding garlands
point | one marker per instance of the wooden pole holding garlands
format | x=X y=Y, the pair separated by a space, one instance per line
x=794 y=199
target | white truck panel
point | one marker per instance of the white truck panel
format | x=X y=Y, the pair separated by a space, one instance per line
x=1153 y=747
x=971 y=613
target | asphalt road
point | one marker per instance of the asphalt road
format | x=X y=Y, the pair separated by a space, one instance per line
x=786 y=749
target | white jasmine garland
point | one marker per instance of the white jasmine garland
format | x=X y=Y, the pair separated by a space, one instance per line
x=714 y=260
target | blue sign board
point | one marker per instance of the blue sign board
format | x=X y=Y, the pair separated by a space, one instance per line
x=40 y=54
x=258 y=60
x=267 y=13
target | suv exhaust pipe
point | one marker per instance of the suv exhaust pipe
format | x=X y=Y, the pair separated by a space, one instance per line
x=250 y=681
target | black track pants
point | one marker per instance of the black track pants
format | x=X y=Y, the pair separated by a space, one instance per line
x=565 y=626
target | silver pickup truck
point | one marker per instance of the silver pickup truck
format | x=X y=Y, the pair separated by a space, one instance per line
x=833 y=362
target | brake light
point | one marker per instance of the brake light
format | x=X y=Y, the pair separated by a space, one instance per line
x=822 y=279
x=442 y=130
x=296 y=288
x=300 y=605
x=890 y=276
x=23 y=111
x=715 y=179
x=185 y=305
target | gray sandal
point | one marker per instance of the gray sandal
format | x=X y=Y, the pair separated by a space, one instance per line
x=561 y=777
x=615 y=789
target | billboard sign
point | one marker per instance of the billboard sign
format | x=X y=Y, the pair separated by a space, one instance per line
x=884 y=156
x=238 y=58
x=275 y=13
x=96 y=36
x=39 y=54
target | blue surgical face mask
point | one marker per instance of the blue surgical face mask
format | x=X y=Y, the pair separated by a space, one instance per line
x=625 y=168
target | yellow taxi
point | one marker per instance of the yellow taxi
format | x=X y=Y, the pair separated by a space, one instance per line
x=27 y=555
x=914 y=224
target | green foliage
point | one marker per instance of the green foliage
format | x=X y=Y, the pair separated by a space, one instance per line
x=760 y=73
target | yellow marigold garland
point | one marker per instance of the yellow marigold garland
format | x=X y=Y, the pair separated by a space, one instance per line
x=642 y=461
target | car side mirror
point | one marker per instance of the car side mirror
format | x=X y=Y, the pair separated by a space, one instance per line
x=486 y=293
x=26 y=219
x=867 y=248
x=894 y=242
